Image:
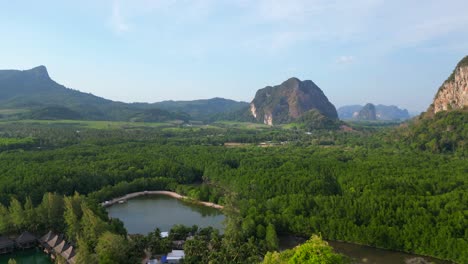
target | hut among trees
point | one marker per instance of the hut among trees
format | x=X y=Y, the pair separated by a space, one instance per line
x=57 y=247
x=6 y=245
x=26 y=240
x=69 y=253
x=50 y=241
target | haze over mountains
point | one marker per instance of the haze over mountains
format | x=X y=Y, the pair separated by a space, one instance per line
x=33 y=94
x=382 y=112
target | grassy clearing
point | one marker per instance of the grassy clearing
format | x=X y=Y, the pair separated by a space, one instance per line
x=12 y=111
x=95 y=124
x=244 y=125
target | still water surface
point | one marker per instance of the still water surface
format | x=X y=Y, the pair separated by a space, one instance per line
x=143 y=214
x=31 y=256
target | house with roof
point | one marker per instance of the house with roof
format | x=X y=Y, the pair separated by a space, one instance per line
x=68 y=253
x=6 y=245
x=175 y=256
x=26 y=240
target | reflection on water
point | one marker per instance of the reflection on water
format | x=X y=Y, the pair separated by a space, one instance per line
x=31 y=256
x=143 y=214
x=369 y=255
x=364 y=254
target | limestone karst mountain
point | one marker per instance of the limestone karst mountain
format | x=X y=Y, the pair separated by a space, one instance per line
x=290 y=100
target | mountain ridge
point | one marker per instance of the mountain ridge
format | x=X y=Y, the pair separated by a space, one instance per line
x=37 y=92
x=288 y=101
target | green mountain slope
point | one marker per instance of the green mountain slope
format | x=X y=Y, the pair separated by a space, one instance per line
x=202 y=109
x=33 y=94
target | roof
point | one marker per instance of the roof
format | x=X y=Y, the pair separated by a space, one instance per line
x=5 y=242
x=54 y=241
x=61 y=247
x=176 y=254
x=72 y=260
x=47 y=237
x=68 y=253
x=25 y=238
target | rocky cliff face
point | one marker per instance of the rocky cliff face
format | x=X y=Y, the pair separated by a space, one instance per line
x=368 y=112
x=453 y=94
x=286 y=102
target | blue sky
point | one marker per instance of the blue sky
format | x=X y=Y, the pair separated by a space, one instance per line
x=357 y=51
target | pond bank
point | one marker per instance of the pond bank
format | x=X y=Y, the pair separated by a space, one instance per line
x=167 y=193
x=363 y=254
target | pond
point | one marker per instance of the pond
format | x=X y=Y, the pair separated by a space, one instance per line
x=143 y=214
x=364 y=254
x=31 y=256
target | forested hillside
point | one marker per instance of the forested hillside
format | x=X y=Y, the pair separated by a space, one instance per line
x=32 y=94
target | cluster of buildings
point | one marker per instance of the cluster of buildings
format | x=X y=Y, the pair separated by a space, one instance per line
x=173 y=257
x=53 y=244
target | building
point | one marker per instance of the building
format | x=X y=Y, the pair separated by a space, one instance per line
x=175 y=256
x=68 y=253
x=55 y=245
x=60 y=248
x=50 y=241
x=26 y=240
x=6 y=245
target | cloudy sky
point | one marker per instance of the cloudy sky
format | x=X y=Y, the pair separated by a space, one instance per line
x=357 y=51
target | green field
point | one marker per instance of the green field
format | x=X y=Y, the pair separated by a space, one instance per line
x=94 y=124
x=12 y=111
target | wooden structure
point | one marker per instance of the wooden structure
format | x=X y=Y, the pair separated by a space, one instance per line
x=26 y=240
x=6 y=245
x=55 y=245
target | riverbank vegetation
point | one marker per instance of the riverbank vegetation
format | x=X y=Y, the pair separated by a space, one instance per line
x=374 y=186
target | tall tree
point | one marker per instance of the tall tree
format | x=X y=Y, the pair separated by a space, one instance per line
x=50 y=211
x=271 y=237
x=30 y=216
x=72 y=215
x=5 y=220
x=84 y=255
x=92 y=227
x=17 y=214
x=112 y=249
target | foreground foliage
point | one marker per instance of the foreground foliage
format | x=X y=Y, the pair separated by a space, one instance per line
x=314 y=251
x=375 y=188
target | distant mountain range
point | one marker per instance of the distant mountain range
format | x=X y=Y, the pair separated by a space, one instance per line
x=33 y=94
x=203 y=109
x=382 y=112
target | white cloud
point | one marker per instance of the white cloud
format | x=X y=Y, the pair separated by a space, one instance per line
x=345 y=59
x=117 y=20
x=370 y=26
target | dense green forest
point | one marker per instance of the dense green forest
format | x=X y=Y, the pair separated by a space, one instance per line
x=380 y=186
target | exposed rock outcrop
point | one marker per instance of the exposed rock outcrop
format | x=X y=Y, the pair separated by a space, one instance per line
x=368 y=112
x=453 y=94
x=286 y=102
